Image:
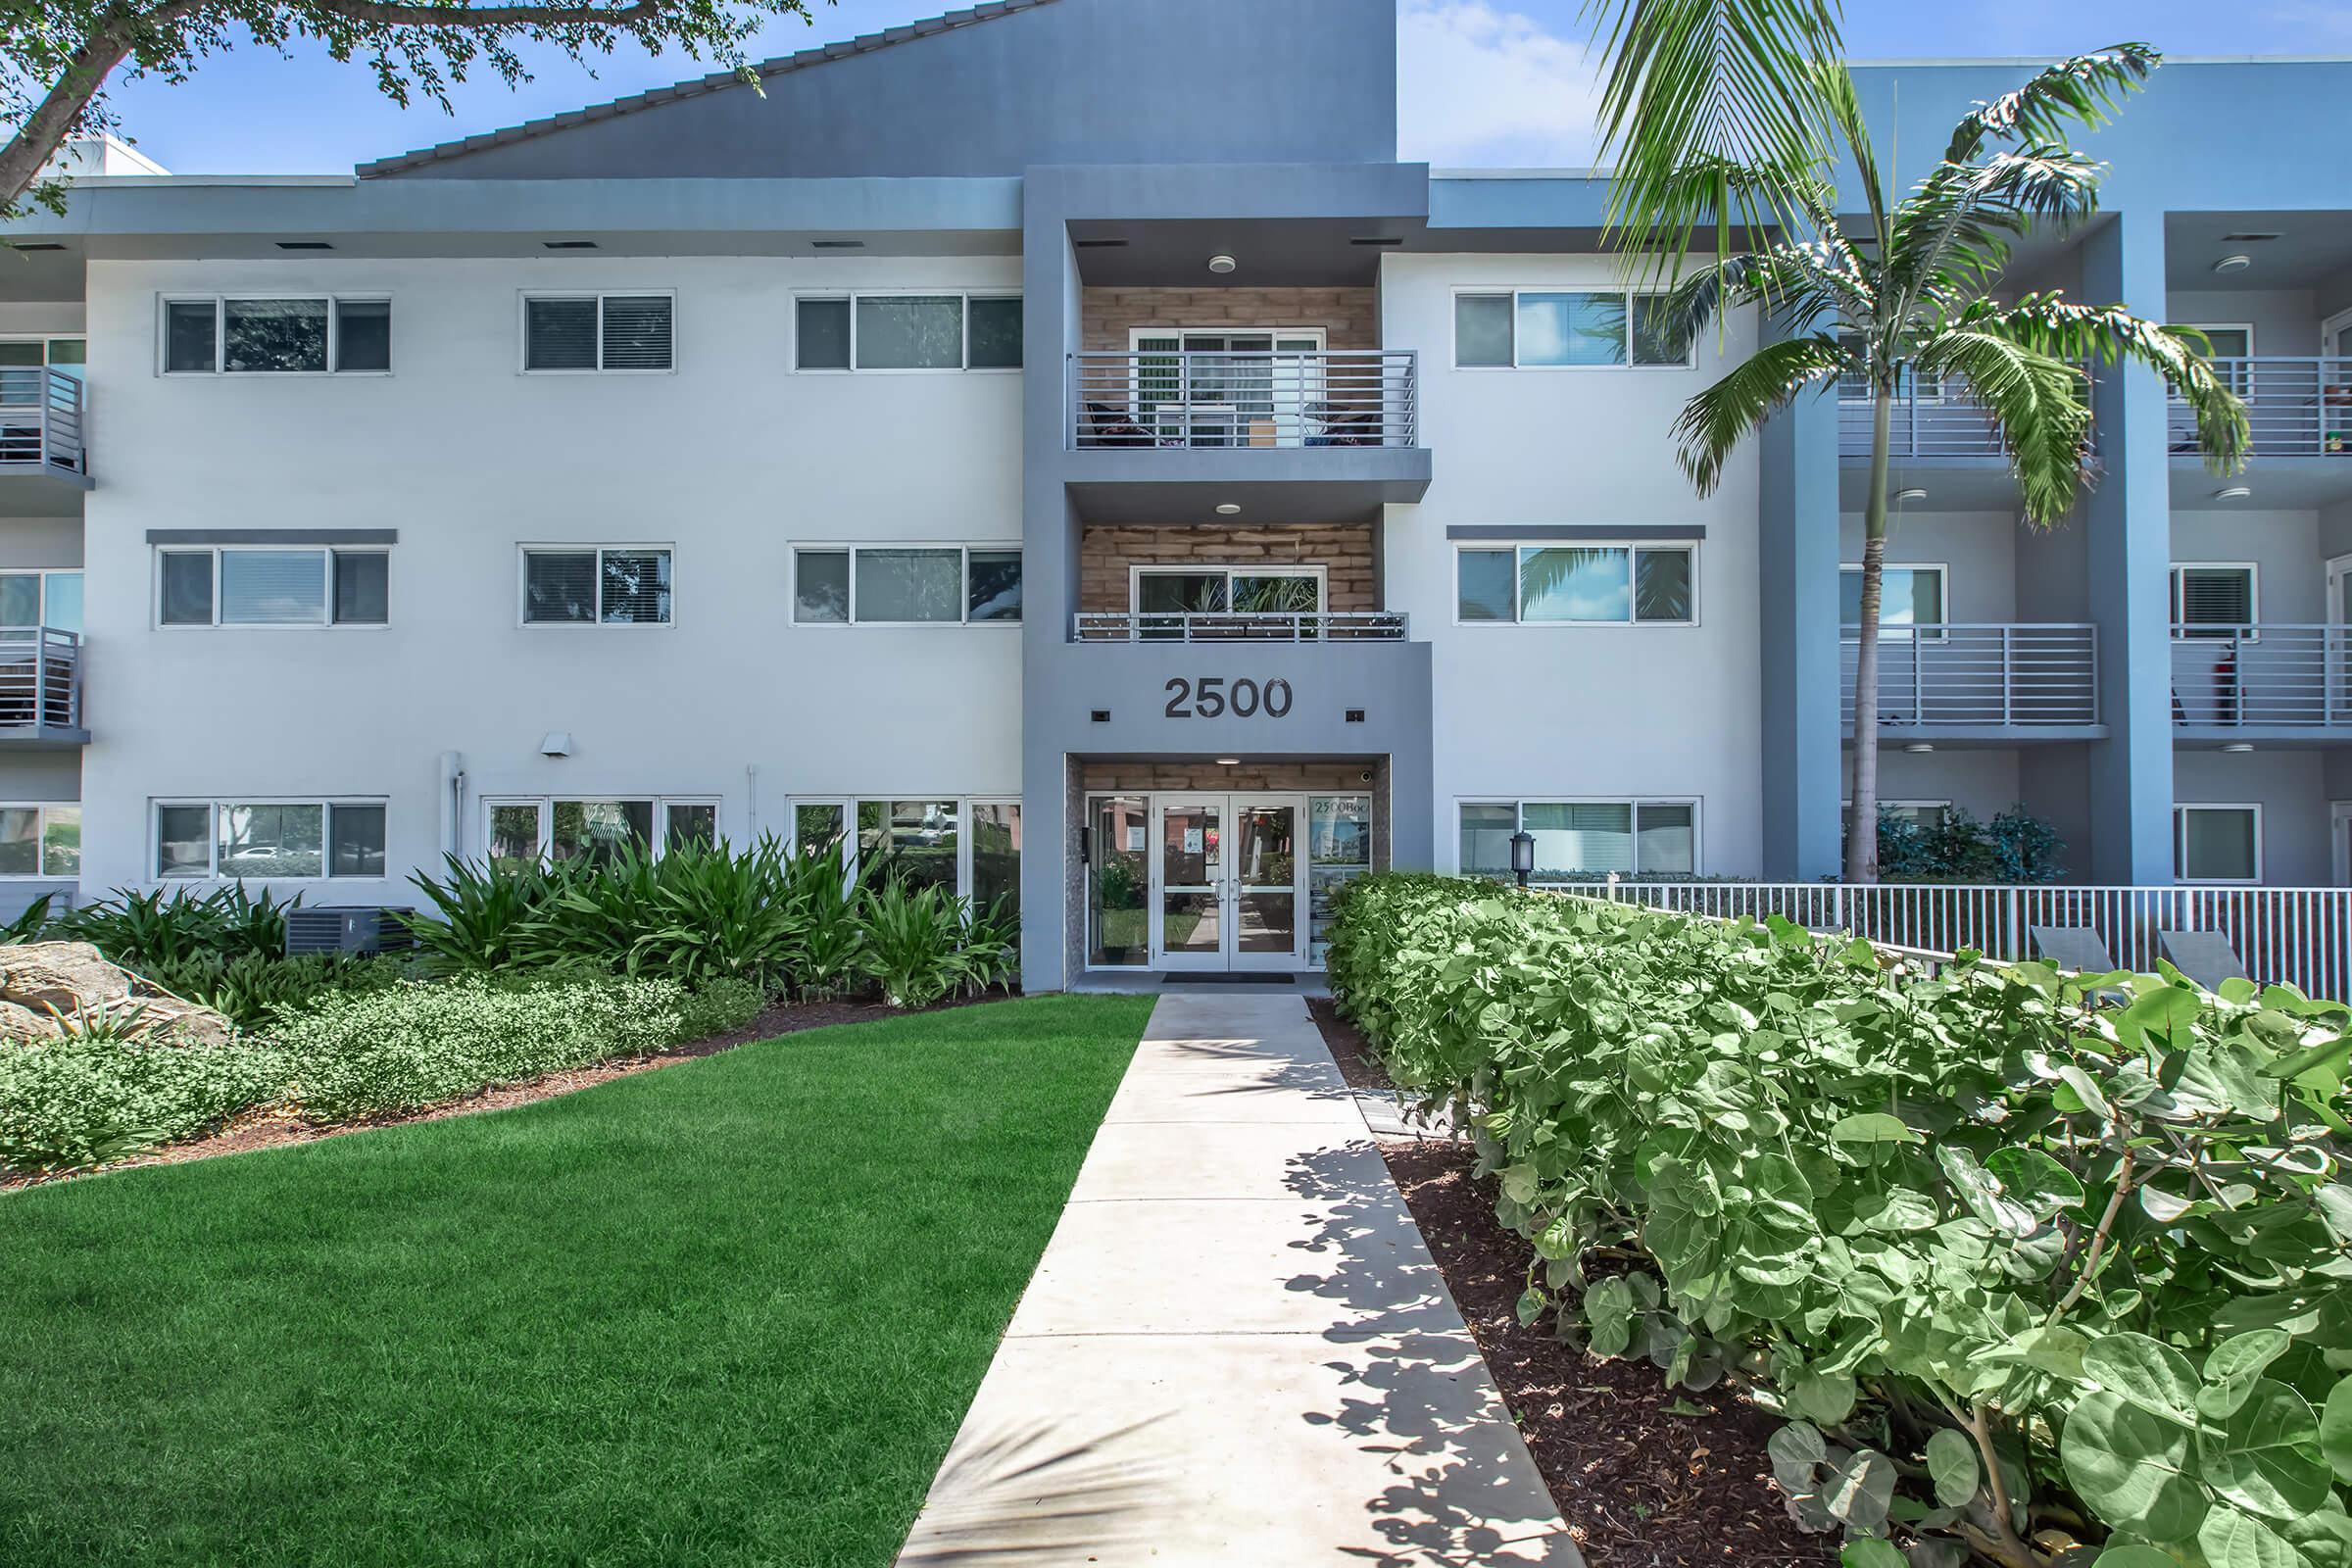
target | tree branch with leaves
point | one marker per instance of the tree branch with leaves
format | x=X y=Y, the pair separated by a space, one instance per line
x=57 y=56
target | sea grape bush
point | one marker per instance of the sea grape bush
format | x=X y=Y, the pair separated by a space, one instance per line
x=2038 y=1270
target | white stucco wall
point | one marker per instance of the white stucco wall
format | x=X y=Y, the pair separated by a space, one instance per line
x=730 y=459
x=1566 y=712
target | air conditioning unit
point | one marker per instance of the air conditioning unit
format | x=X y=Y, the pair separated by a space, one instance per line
x=348 y=929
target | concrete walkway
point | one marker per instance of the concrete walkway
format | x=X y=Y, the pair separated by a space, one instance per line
x=1236 y=1350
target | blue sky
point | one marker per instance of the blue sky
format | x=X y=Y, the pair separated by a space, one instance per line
x=1484 y=82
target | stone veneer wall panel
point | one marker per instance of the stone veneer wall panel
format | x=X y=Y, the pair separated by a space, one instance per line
x=1349 y=317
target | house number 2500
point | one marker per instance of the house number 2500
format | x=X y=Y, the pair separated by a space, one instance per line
x=1212 y=697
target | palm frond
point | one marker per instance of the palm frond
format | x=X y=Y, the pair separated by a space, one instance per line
x=2110 y=334
x=2040 y=406
x=2080 y=91
x=1695 y=89
x=1799 y=283
x=1834 y=84
x=1714 y=423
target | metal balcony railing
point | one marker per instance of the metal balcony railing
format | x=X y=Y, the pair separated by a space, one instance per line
x=40 y=681
x=41 y=419
x=2266 y=675
x=1982 y=674
x=2298 y=406
x=1326 y=398
x=1156 y=627
x=1929 y=422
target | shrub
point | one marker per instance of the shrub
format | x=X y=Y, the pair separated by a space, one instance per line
x=914 y=943
x=2014 y=846
x=717 y=1006
x=414 y=1045
x=2024 y=1272
x=250 y=989
x=92 y=1097
x=144 y=930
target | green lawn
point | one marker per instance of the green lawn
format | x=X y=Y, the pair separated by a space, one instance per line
x=726 y=1313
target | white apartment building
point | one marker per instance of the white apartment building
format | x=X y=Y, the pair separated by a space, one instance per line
x=1155 y=517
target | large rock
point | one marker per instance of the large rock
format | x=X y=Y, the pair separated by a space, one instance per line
x=75 y=979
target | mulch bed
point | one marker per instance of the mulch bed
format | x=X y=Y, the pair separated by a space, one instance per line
x=278 y=1126
x=1639 y=1485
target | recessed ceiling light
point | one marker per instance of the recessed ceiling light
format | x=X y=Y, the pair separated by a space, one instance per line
x=1229 y=761
x=1913 y=494
x=2238 y=748
x=837 y=244
x=569 y=244
x=2235 y=262
x=1919 y=747
x=1222 y=264
x=2234 y=492
x=304 y=245
x=1228 y=508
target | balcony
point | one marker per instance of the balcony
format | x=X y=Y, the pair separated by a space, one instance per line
x=41 y=425
x=2299 y=409
x=1983 y=684
x=2272 y=682
x=1313 y=435
x=40 y=688
x=1172 y=626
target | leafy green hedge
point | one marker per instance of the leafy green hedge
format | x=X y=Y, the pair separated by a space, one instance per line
x=2028 y=1276
x=87 y=1101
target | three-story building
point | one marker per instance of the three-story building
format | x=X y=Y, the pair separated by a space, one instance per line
x=1155 y=507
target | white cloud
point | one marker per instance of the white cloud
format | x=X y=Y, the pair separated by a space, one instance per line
x=2323 y=25
x=1479 y=87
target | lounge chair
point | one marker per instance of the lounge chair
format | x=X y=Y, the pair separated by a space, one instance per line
x=2202 y=956
x=2076 y=948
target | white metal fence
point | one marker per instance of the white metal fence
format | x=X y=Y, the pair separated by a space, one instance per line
x=1227 y=626
x=2296 y=405
x=40 y=681
x=1323 y=398
x=2274 y=674
x=2299 y=936
x=41 y=419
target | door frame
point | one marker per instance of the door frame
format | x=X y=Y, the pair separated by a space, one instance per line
x=2330 y=326
x=1227 y=884
x=2339 y=584
x=2339 y=840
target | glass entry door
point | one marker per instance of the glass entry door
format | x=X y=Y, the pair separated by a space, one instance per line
x=1225 y=876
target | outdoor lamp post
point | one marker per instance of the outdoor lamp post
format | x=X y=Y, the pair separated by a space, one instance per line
x=1523 y=854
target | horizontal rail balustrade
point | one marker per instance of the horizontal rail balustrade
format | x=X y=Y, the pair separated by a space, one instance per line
x=1981 y=674
x=1287 y=626
x=1323 y=398
x=41 y=419
x=2271 y=675
x=40 y=681
x=2296 y=405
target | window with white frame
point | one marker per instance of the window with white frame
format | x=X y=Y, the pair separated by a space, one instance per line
x=1564 y=328
x=619 y=331
x=906 y=586
x=525 y=830
x=1164 y=595
x=313 y=334
x=2216 y=598
x=271 y=585
x=19 y=354
x=1578 y=585
x=1580 y=840
x=596 y=586
x=2230 y=344
x=42 y=840
x=969 y=846
x=2217 y=843
x=907 y=331
x=301 y=840
x=1909 y=597
x=35 y=599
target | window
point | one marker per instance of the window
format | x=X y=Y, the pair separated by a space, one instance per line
x=520 y=832
x=996 y=879
x=1578 y=585
x=2217 y=843
x=1164 y=595
x=35 y=599
x=1558 y=329
x=40 y=841
x=609 y=585
x=300 y=840
x=1908 y=597
x=2214 y=601
x=597 y=332
x=2234 y=342
x=307 y=334
x=264 y=585
x=1581 y=840
x=911 y=844
x=970 y=848
x=946 y=331
x=906 y=586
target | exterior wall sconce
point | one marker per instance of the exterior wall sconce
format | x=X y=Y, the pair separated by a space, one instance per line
x=1523 y=854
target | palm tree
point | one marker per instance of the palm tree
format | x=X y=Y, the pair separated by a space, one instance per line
x=1909 y=292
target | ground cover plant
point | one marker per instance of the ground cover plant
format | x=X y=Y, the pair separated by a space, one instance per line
x=2028 y=1275
x=728 y=1312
